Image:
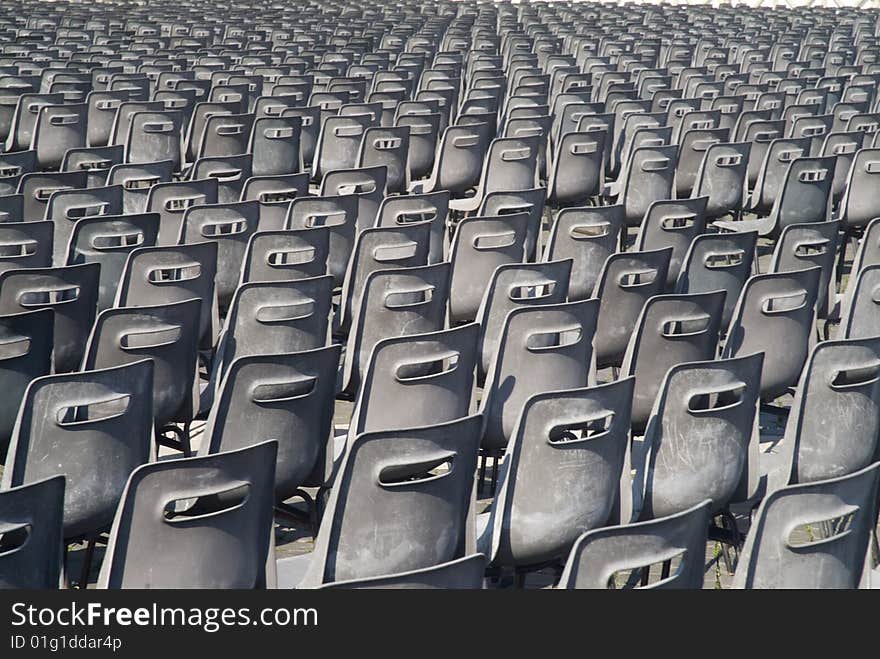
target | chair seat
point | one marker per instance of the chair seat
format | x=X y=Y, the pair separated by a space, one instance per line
x=762 y=226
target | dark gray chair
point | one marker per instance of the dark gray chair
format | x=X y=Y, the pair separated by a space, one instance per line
x=601 y=558
x=93 y=427
x=588 y=236
x=561 y=474
x=672 y=223
x=670 y=330
x=32 y=543
x=162 y=539
x=71 y=292
x=285 y=255
x=812 y=535
x=394 y=490
x=25 y=245
x=340 y=215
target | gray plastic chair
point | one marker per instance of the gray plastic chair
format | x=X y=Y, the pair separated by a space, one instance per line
x=701 y=441
x=66 y=207
x=231 y=172
x=542 y=348
x=25 y=245
x=275 y=145
x=387 y=146
x=163 y=275
x=15 y=166
x=773 y=170
x=171 y=200
x=648 y=179
x=230 y=226
x=627 y=281
x=71 y=292
x=58 y=129
x=368 y=184
x=225 y=135
x=108 y=241
x=806 y=245
x=283 y=397
x=12 y=208
x=158 y=541
x=513 y=286
x=459 y=574
x=167 y=334
x=776 y=315
x=38 y=187
x=340 y=215
x=716 y=262
x=432 y=207
x=600 y=555
x=479 y=246
x=94 y=427
x=670 y=330
x=137 y=181
x=833 y=425
x=33 y=537
x=587 y=236
x=459 y=162
x=338 y=143
x=380 y=248
x=154 y=137
x=812 y=535
x=433 y=372
x=285 y=255
x=394 y=491
x=860 y=198
x=395 y=303
x=27 y=355
x=722 y=178
x=95 y=161
x=577 y=170
x=519 y=201
x=805 y=197
x=561 y=474
x=672 y=223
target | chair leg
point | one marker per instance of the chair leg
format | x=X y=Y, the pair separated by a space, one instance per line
x=87 y=563
x=182 y=443
x=495 y=462
x=482 y=477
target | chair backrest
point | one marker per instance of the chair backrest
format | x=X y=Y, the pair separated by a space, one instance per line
x=861 y=197
x=339 y=214
x=394 y=491
x=94 y=427
x=542 y=348
x=154 y=137
x=430 y=207
x=722 y=178
x=162 y=275
x=387 y=146
x=283 y=397
x=15 y=166
x=772 y=173
x=692 y=151
x=480 y=245
x=460 y=156
x=31 y=523
x=672 y=223
x=108 y=240
x=529 y=201
x=27 y=354
x=59 y=128
x=459 y=574
x=599 y=556
x=275 y=145
x=649 y=178
x=171 y=200
x=275 y=317
x=833 y=426
x=339 y=142
x=368 y=184
x=231 y=172
x=285 y=255
x=230 y=226
x=807 y=245
x=225 y=135
x=587 y=236
x=221 y=540
x=626 y=282
x=702 y=438
x=512 y=286
x=310 y=128
x=71 y=292
x=381 y=248
x=96 y=161
x=775 y=314
x=577 y=171
x=137 y=180
x=806 y=192
x=811 y=535
x=66 y=207
x=671 y=330
x=424 y=134
x=166 y=333
x=25 y=245
x=395 y=303
x=569 y=447
x=434 y=373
